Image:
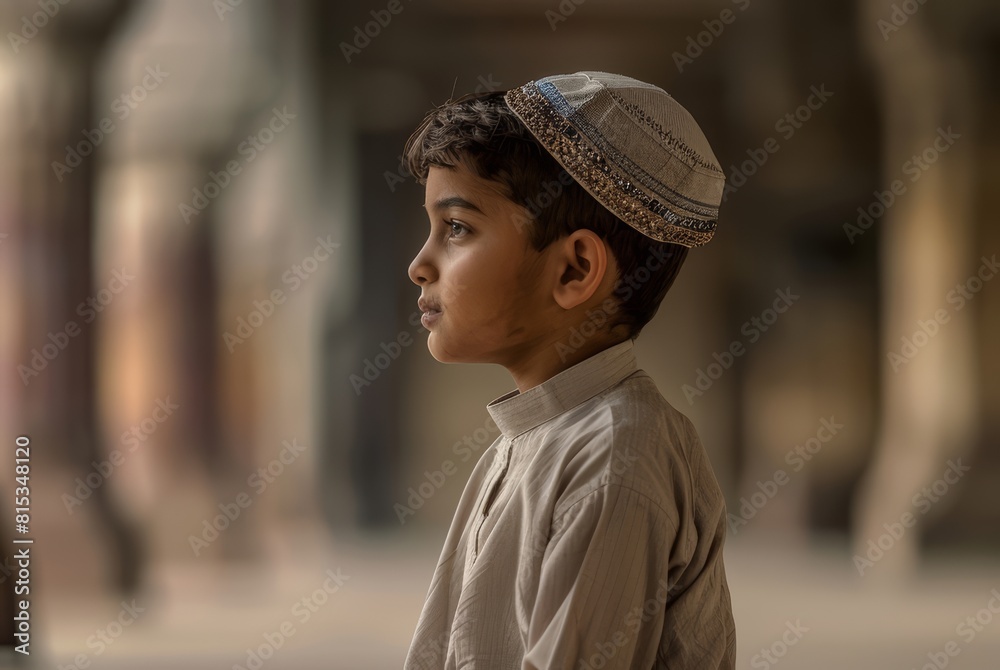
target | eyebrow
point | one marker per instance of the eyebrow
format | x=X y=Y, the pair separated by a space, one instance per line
x=456 y=201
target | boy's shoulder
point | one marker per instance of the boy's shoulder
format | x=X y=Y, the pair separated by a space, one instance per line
x=635 y=413
x=631 y=436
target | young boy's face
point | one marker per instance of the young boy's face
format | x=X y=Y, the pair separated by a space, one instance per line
x=479 y=269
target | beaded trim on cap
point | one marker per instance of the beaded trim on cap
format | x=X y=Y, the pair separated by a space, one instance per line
x=609 y=186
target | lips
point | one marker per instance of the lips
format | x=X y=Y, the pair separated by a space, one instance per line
x=428 y=305
x=431 y=312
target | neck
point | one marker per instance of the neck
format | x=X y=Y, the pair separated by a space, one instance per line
x=551 y=358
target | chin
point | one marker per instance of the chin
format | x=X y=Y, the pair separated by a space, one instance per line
x=443 y=353
x=438 y=352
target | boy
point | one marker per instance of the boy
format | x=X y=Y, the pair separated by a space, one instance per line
x=590 y=533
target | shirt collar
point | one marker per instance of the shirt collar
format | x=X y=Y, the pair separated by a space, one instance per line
x=515 y=412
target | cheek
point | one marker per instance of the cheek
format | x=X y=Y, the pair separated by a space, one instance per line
x=463 y=282
x=483 y=286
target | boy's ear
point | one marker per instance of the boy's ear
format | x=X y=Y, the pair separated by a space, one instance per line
x=584 y=265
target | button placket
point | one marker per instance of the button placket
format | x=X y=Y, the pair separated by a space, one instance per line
x=492 y=491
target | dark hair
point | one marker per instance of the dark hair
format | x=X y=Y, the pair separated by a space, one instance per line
x=482 y=132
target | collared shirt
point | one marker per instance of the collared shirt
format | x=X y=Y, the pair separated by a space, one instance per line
x=589 y=535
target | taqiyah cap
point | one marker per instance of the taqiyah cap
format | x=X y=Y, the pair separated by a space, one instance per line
x=631 y=146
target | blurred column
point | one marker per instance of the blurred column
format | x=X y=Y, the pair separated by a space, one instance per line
x=205 y=243
x=340 y=333
x=929 y=398
x=56 y=63
x=367 y=111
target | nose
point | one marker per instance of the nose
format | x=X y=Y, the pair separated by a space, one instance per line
x=421 y=270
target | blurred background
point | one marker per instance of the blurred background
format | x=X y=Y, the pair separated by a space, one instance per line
x=209 y=337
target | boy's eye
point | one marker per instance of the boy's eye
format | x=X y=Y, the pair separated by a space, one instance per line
x=454 y=225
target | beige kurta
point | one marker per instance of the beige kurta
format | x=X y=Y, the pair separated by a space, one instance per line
x=589 y=536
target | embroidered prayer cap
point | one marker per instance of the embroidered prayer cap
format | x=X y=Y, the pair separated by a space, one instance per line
x=631 y=146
